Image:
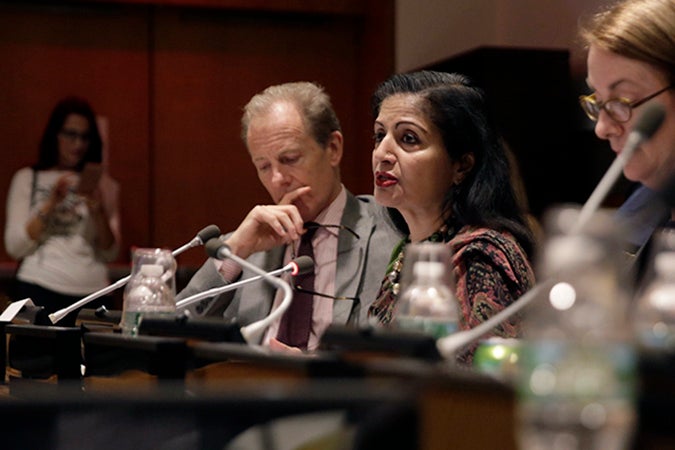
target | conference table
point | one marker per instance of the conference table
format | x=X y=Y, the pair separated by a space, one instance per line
x=195 y=384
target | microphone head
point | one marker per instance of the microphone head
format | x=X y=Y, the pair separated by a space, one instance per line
x=650 y=120
x=213 y=247
x=208 y=232
x=302 y=265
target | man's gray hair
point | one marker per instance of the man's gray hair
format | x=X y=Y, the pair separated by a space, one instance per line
x=311 y=100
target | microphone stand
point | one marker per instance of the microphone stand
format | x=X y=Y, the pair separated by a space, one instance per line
x=448 y=345
x=184 y=303
x=602 y=189
x=205 y=234
x=252 y=333
x=60 y=314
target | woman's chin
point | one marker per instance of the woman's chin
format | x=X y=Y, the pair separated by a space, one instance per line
x=636 y=175
x=384 y=198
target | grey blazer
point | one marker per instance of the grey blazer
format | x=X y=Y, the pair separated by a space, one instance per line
x=360 y=268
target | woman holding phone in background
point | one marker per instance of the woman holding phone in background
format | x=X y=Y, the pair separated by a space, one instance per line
x=62 y=213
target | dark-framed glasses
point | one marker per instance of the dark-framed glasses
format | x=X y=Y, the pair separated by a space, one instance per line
x=299 y=288
x=619 y=109
x=310 y=225
x=314 y=225
x=73 y=135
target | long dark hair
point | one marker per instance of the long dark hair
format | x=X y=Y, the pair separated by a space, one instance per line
x=48 y=156
x=458 y=109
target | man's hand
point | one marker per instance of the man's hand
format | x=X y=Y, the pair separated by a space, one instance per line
x=268 y=226
x=279 y=346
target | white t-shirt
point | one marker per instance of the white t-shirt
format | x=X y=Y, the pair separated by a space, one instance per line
x=65 y=260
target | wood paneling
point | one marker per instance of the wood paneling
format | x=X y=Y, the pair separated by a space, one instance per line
x=207 y=66
x=355 y=7
x=171 y=79
x=99 y=53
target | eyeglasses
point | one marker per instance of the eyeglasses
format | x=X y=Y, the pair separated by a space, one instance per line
x=309 y=225
x=307 y=291
x=312 y=225
x=73 y=136
x=619 y=109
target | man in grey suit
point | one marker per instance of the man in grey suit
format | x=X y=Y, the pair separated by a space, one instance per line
x=295 y=142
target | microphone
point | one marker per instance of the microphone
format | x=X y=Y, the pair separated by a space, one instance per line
x=644 y=129
x=253 y=332
x=206 y=233
x=299 y=266
x=448 y=345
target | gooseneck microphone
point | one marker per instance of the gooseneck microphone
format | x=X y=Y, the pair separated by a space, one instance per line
x=299 y=266
x=644 y=129
x=206 y=233
x=253 y=332
x=448 y=345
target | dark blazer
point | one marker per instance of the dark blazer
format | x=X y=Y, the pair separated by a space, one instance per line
x=360 y=268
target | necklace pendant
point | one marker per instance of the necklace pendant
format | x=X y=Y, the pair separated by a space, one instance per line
x=391 y=276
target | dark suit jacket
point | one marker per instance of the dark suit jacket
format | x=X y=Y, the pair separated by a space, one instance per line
x=360 y=268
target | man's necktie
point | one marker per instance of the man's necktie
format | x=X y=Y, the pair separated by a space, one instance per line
x=296 y=322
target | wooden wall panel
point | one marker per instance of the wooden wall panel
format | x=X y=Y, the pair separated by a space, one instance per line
x=99 y=53
x=206 y=68
x=171 y=81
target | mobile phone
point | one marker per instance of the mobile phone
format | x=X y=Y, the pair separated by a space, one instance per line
x=89 y=178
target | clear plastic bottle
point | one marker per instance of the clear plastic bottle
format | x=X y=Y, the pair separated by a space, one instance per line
x=577 y=372
x=428 y=304
x=150 y=290
x=655 y=314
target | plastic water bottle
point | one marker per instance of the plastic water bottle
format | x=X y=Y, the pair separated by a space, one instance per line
x=151 y=289
x=428 y=304
x=577 y=372
x=655 y=312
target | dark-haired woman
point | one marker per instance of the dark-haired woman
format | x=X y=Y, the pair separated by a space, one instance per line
x=62 y=219
x=443 y=173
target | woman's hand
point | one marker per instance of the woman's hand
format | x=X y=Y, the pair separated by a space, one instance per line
x=63 y=186
x=38 y=223
x=94 y=202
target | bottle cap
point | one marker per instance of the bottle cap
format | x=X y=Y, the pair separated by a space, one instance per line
x=664 y=263
x=152 y=270
x=570 y=251
x=430 y=269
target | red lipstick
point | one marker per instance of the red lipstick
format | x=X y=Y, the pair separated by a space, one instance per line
x=384 y=179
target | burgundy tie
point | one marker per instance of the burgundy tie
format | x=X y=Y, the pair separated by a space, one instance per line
x=296 y=322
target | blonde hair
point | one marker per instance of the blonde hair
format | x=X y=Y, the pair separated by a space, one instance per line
x=638 y=29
